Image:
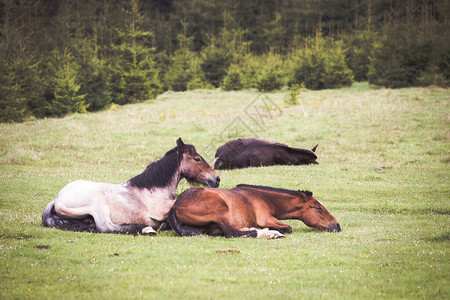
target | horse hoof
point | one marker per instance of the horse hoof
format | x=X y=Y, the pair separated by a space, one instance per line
x=148 y=231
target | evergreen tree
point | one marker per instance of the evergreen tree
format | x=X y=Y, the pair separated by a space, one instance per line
x=214 y=63
x=93 y=74
x=358 y=48
x=309 y=69
x=19 y=69
x=181 y=71
x=269 y=76
x=134 y=69
x=66 y=87
x=233 y=78
x=337 y=72
x=321 y=65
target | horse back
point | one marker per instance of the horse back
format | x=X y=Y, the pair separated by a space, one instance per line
x=203 y=206
x=251 y=152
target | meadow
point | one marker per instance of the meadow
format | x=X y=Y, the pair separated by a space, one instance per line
x=383 y=173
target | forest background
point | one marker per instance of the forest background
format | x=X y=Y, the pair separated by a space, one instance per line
x=59 y=57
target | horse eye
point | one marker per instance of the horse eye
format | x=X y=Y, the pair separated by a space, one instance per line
x=197 y=159
x=319 y=208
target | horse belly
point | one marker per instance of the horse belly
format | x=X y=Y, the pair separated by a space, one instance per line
x=140 y=206
x=241 y=211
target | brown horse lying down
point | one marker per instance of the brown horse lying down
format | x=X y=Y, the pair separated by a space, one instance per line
x=250 y=152
x=234 y=212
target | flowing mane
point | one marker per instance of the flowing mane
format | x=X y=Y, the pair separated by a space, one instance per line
x=160 y=172
x=273 y=189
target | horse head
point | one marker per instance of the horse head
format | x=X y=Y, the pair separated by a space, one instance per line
x=314 y=214
x=195 y=168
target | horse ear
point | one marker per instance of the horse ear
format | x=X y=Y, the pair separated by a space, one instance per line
x=314 y=148
x=180 y=144
x=307 y=193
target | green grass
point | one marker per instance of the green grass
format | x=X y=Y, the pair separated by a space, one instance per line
x=384 y=174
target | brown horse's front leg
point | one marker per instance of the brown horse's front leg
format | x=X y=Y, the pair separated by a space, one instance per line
x=275 y=224
x=231 y=231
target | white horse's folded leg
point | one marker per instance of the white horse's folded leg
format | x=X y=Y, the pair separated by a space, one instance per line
x=148 y=230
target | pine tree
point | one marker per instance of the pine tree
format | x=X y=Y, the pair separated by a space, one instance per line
x=215 y=62
x=181 y=71
x=337 y=72
x=19 y=68
x=66 y=87
x=135 y=72
x=93 y=74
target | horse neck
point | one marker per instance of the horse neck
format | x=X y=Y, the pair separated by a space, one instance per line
x=280 y=202
x=162 y=174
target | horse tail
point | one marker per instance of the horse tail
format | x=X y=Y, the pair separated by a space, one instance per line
x=51 y=219
x=180 y=228
x=48 y=216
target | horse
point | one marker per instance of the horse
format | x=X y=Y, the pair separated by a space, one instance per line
x=137 y=206
x=251 y=152
x=240 y=211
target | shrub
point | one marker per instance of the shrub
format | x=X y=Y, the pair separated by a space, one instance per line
x=321 y=65
x=269 y=72
x=291 y=98
x=358 y=48
x=214 y=64
x=337 y=72
x=180 y=72
x=232 y=81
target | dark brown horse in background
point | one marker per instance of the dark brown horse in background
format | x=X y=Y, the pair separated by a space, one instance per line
x=250 y=152
x=235 y=212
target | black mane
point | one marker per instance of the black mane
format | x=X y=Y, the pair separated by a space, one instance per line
x=159 y=173
x=273 y=189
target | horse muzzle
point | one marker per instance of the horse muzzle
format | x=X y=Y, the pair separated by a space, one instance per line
x=213 y=183
x=334 y=226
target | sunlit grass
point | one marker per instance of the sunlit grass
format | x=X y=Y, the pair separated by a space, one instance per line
x=383 y=173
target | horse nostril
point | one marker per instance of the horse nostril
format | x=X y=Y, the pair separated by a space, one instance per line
x=337 y=228
x=213 y=182
x=334 y=226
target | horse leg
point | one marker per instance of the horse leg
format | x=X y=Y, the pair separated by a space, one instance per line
x=231 y=231
x=274 y=224
x=104 y=224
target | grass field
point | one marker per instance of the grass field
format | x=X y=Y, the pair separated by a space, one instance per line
x=384 y=174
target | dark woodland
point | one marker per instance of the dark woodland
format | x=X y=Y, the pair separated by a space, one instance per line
x=59 y=57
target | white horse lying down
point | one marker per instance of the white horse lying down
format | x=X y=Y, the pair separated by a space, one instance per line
x=139 y=205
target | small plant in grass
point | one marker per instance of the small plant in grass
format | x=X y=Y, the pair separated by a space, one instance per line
x=294 y=91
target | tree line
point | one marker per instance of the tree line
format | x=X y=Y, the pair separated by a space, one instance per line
x=59 y=57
